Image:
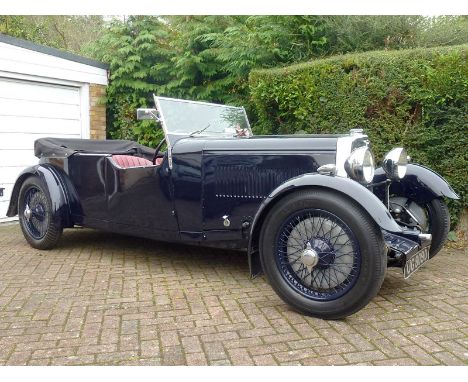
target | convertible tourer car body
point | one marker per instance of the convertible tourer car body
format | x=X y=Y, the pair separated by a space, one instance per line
x=312 y=211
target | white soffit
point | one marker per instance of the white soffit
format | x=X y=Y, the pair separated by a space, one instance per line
x=14 y=59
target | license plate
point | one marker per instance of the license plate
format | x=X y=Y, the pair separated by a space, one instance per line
x=415 y=262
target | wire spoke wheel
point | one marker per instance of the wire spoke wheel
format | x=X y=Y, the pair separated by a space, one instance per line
x=36 y=216
x=41 y=226
x=318 y=254
x=322 y=253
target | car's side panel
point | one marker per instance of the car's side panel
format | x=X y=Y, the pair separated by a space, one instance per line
x=238 y=174
x=235 y=183
x=141 y=197
x=420 y=184
x=214 y=178
x=87 y=172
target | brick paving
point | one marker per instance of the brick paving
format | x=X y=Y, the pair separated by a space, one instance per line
x=107 y=299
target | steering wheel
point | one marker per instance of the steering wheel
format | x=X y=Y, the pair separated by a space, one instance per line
x=158 y=147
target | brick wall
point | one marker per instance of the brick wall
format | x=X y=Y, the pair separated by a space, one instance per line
x=463 y=224
x=97 y=111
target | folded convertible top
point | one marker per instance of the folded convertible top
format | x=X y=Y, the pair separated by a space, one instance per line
x=64 y=147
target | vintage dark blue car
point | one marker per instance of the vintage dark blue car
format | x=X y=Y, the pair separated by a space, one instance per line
x=312 y=211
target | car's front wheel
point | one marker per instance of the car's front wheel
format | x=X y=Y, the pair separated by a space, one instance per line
x=432 y=217
x=35 y=215
x=322 y=253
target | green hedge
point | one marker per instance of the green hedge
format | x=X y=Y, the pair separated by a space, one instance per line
x=415 y=98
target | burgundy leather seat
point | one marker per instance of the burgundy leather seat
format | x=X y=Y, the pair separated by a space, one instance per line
x=127 y=161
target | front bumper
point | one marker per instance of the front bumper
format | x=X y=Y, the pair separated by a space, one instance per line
x=403 y=246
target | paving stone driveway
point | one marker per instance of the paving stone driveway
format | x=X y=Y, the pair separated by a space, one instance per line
x=108 y=299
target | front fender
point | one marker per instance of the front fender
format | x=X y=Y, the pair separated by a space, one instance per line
x=352 y=189
x=348 y=187
x=51 y=177
x=420 y=184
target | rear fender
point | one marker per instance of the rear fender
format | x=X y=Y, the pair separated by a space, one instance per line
x=420 y=184
x=59 y=193
x=348 y=187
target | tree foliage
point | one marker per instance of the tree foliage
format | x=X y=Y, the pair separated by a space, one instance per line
x=196 y=57
x=210 y=57
x=362 y=33
x=138 y=53
x=71 y=33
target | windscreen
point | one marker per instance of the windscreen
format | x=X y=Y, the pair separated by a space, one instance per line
x=187 y=118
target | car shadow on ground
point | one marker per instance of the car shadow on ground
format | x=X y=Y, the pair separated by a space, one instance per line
x=148 y=250
x=157 y=252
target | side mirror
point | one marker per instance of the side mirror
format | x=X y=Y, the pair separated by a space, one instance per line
x=147 y=114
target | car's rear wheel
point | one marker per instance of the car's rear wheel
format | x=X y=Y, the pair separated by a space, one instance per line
x=322 y=253
x=35 y=215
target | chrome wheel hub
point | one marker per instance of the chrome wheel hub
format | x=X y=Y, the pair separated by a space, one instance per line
x=309 y=257
x=27 y=213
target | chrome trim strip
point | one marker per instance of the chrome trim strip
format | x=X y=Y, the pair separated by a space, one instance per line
x=197 y=102
x=164 y=127
x=248 y=122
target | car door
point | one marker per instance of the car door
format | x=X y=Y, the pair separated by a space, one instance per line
x=141 y=199
x=186 y=176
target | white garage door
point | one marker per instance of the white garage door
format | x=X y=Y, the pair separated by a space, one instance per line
x=28 y=111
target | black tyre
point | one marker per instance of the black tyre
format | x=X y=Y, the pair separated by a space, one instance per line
x=35 y=215
x=439 y=225
x=432 y=217
x=322 y=253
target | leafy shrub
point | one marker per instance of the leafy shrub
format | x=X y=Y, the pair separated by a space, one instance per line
x=414 y=98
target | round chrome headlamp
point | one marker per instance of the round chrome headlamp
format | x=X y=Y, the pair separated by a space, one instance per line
x=394 y=163
x=360 y=165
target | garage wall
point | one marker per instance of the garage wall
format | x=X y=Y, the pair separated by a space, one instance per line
x=44 y=92
x=97 y=111
x=29 y=111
